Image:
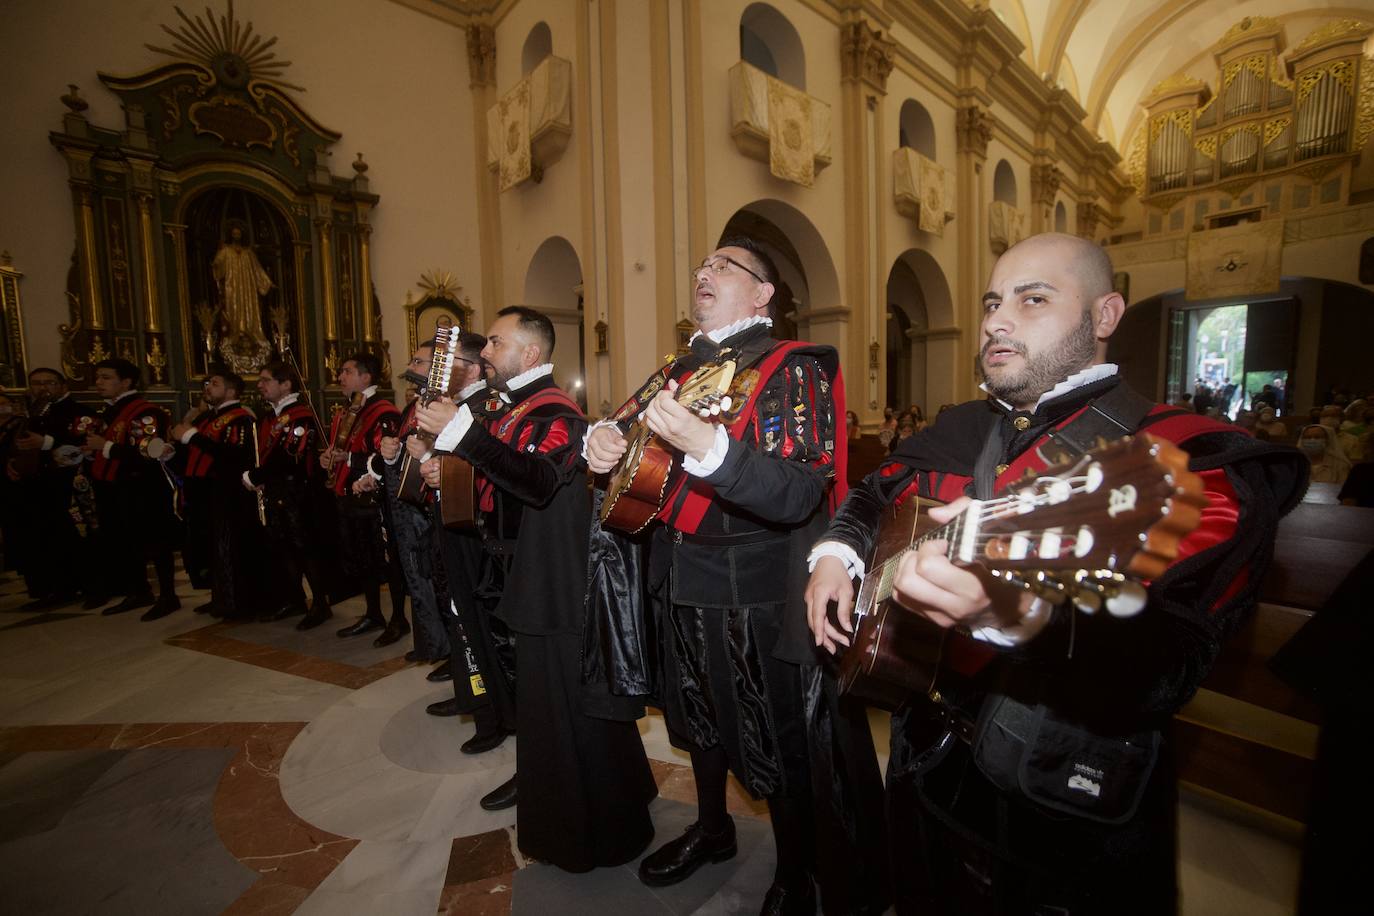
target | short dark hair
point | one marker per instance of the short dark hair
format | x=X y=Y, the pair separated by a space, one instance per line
x=122 y=368
x=766 y=268
x=37 y=369
x=366 y=362
x=426 y=343
x=534 y=322
x=232 y=380
x=470 y=345
x=282 y=374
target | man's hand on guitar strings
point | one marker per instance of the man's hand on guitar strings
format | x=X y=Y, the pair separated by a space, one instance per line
x=678 y=426
x=416 y=447
x=928 y=583
x=430 y=471
x=605 y=445
x=433 y=417
x=830 y=581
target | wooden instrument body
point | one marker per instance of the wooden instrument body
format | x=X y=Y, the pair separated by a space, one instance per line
x=639 y=484
x=894 y=653
x=411 y=484
x=457 y=496
x=347 y=423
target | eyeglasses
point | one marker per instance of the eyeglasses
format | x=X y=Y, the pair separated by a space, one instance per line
x=720 y=266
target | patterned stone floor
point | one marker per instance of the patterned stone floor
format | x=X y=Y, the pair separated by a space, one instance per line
x=188 y=766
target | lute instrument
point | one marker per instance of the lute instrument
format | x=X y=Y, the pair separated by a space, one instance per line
x=348 y=421
x=1084 y=531
x=456 y=498
x=644 y=478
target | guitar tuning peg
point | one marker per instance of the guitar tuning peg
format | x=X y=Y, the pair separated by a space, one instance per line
x=1049 y=587
x=725 y=403
x=1126 y=600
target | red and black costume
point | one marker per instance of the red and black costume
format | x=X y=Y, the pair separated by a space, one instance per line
x=219 y=449
x=741 y=683
x=198 y=541
x=135 y=499
x=1088 y=695
x=584 y=782
x=360 y=515
x=288 y=464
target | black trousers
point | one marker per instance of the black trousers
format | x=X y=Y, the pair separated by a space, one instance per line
x=137 y=524
x=292 y=544
x=56 y=559
x=198 y=547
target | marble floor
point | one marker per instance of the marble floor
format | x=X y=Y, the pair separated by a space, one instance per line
x=188 y=766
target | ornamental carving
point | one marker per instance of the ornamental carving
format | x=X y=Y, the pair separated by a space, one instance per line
x=865 y=55
x=482 y=55
x=1250 y=25
x=973 y=128
x=1045 y=179
x=1333 y=30
x=1342 y=71
x=779 y=124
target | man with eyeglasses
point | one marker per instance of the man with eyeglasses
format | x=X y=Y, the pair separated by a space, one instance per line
x=725 y=573
x=56 y=431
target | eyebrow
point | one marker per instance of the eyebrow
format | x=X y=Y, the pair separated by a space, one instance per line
x=995 y=296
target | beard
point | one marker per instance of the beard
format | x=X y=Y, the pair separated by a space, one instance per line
x=1041 y=372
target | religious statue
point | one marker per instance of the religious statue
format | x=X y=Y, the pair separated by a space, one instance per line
x=241 y=282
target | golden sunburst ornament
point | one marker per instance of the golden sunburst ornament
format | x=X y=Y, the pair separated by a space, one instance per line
x=227 y=48
x=440 y=284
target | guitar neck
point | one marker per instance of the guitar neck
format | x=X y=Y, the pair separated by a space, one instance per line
x=951 y=533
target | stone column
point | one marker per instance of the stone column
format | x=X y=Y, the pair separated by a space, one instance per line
x=973 y=126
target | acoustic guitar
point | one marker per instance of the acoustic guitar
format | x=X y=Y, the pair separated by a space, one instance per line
x=1085 y=531
x=456 y=503
x=645 y=476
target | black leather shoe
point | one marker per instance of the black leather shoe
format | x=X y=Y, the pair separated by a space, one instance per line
x=315 y=617
x=480 y=744
x=206 y=608
x=363 y=625
x=48 y=602
x=161 y=608
x=676 y=860
x=782 y=900
x=413 y=657
x=440 y=674
x=131 y=603
x=500 y=798
x=391 y=634
x=281 y=613
x=444 y=708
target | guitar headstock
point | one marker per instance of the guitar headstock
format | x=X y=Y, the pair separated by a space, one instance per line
x=706 y=391
x=1088 y=528
x=441 y=362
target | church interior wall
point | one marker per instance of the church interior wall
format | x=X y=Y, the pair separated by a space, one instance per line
x=418 y=148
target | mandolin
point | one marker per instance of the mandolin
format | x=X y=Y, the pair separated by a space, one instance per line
x=1085 y=531
x=348 y=420
x=432 y=387
x=646 y=475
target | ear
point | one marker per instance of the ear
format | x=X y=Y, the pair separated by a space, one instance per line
x=763 y=296
x=1107 y=312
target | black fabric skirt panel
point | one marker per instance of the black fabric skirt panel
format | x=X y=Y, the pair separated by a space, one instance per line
x=975 y=851
x=198 y=549
x=237 y=562
x=363 y=544
x=723 y=686
x=584 y=783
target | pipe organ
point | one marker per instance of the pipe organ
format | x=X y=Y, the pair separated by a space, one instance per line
x=1300 y=117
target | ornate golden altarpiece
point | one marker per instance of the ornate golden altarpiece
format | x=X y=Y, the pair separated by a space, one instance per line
x=213 y=142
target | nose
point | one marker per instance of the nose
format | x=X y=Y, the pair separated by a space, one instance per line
x=998 y=322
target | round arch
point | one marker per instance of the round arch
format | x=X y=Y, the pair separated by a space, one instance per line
x=553 y=285
x=797 y=248
x=769 y=41
x=918 y=300
x=538 y=45
x=917 y=130
x=1004 y=183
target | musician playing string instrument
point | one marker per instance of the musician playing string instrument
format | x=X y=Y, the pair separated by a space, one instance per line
x=286 y=474
x=346 y=469
x=1042 y=779
x=582 y=782
x=219 y=448
x=725 y=570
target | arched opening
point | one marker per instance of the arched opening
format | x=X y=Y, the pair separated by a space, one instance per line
x=918 y=300
x=538 y=45
x=553 y=285
x=917 y=131
x=769 y=41
x=265 y=231
x=1004 y=183
x=1061 y=217
x=805 y=269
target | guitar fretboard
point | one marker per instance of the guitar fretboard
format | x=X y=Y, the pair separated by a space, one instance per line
x=950 y=532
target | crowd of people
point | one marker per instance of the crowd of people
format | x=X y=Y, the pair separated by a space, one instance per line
x=1036 y=778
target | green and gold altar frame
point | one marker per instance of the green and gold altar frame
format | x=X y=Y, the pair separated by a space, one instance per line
x=210 y=227
x=14 y=357
x=439 y=295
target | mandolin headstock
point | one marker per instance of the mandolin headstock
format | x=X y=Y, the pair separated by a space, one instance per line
x=706 y=392
x=1087 y=529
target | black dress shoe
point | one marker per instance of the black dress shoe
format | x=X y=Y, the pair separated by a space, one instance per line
x=131 y=603
x=480 y=744
x=500 y=798
x=363 y=625
x=444 y=708
x=316 y=616
x=161 y=608
x=441 y=673
x=413 y=656
x=206 y=608
x=281 y=613
x=676 y=860
x=48 y=602
x=391 y=634
x=782 y=900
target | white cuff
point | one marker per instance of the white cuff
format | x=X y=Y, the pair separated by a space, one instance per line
x=391 y=461
x=187 y=436
x=105 y=452
x=712 y=460
x=371 y=473
x=591 y=429
x=248 y=483
x=843 y=552
x=457 y=428
x=47 y=445
x=1024 y=630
